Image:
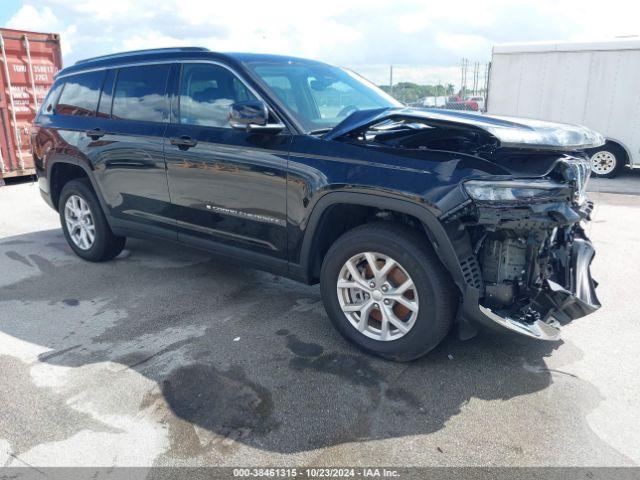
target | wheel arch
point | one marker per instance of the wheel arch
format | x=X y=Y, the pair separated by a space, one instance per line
x=60 y=161
x=621 y=146
x=432 y=227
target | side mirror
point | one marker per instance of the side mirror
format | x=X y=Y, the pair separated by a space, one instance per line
x=252 y=116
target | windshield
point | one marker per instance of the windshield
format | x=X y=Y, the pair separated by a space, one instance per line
x=320 y=96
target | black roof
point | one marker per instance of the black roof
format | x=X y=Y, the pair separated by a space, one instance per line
x=177 y=53
x=141 y=52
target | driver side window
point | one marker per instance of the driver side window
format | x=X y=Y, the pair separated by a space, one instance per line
x=206 y=93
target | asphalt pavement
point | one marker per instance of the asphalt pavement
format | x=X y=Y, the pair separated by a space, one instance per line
x=627 y=183
x=170 y=356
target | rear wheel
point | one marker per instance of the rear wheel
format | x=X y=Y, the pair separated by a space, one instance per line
x=607 y=161
x=385 y=290
x=84 y=224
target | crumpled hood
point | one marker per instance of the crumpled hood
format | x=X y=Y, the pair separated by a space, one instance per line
x=509 y=131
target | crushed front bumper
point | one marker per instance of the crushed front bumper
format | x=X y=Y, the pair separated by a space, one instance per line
x=547 y=280
x=560 y=304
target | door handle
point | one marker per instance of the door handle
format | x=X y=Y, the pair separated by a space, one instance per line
x=184 y=142
x=96 y=133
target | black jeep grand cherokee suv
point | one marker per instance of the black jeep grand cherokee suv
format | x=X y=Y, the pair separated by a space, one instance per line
x=411 y=220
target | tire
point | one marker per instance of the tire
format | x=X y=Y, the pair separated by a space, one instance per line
x=433 y=290
x=105 y=244
x=608 y=160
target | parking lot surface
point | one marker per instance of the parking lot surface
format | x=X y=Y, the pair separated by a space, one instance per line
x=627 y=183
x=170 y=356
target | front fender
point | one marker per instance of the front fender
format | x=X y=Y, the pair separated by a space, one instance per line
x=436 y=233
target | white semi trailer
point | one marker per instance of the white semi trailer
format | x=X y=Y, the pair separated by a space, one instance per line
x=592 y=84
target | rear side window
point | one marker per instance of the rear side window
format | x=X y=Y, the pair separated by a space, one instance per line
x=50 y=99
x=140 y=93
x=80 y=94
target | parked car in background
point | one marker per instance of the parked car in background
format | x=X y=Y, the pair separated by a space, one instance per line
x=593 y=84
x=479 y=101
x=432 y=102
x=456 y=102
x=413 y=221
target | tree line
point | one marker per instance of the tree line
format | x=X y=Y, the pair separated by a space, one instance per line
x=408 y=92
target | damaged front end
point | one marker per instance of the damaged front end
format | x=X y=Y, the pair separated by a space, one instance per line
x=515 y=222
x=526 y=256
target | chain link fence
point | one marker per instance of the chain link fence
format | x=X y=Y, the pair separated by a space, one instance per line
x=456 y=88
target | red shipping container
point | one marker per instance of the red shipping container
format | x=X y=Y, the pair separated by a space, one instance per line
x=28 y=64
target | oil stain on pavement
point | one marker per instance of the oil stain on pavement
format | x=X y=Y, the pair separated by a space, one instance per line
x=290 y=385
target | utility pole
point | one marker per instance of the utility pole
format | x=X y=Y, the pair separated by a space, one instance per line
x=463 y=83
x=487 y=79
x=472 y=86
x=476 y=77
x=391 y=80
x=487 y=68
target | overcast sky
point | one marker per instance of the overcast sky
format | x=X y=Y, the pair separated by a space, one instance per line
x=426 y=40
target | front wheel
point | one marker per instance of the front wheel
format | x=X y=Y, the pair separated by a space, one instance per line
x=385 y=291
x=84 y=224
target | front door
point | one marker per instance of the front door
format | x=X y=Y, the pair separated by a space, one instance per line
x=227 y=187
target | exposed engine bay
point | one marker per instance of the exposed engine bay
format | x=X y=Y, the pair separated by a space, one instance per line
x=533 y=258
x=420 y=136
x=519 y=238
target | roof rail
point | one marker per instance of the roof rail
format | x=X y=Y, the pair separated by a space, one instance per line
x=141 y=52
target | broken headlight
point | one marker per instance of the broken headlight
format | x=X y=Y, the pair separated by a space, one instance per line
x=523 y=190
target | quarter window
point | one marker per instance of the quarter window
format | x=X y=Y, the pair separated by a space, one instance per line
x=207 y=92
x=80 y=94
x=140 y=93
x=50 y=99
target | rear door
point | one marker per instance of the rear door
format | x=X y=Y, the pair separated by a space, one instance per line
x=127 y=148
x=228 y=187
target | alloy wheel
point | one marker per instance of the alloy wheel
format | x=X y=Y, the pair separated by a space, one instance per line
x=79 y=221
x=378 y=296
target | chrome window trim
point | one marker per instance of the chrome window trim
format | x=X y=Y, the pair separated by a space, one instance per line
x=179 y=62
x=124 y=65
